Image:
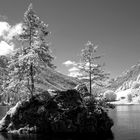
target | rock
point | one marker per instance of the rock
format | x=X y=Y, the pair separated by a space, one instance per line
x=4 y=122
x=52 y=92
x=64 y=112
x=24 y=130
x=82 y=89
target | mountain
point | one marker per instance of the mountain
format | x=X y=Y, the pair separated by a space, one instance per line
x=55 y=80
x=127 y=86
x=126 y=80
x=52 y=79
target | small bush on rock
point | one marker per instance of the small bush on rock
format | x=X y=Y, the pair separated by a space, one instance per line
x=129 y=97
x=136 y=85
x=110 y=95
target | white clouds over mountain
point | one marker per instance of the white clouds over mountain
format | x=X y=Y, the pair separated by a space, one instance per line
x=74 y=74
x=72 y=68
x=69 y=63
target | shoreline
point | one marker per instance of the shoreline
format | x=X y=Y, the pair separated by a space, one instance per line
x=120 y=103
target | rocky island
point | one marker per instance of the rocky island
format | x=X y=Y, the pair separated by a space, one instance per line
x=63 y=111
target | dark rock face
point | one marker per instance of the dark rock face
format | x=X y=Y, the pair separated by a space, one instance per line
x=65 y=112
x=82 y=89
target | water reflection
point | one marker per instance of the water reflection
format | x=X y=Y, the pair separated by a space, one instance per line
x=126 y=127
x=5 y=136
x=126 y=122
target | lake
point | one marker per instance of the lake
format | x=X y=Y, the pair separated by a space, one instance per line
x=126 y=126
x=126 y=122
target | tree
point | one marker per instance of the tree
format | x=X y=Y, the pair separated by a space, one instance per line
x=89 y=70
x=3 y=70
x=28 y=61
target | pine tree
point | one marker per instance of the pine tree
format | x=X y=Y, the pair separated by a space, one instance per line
x=89 y=69
x=34 y=55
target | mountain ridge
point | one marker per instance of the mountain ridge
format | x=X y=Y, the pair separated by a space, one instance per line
x=126 y=80
x=56 y=80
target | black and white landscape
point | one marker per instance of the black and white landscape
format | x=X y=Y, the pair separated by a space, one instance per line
x=69 y=69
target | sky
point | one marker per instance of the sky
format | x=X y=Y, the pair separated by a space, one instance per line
x=113 y=25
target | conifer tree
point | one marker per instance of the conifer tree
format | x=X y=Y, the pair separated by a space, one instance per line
x=89 y=69
x=34 y=54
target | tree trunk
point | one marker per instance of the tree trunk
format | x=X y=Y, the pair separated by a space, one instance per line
x=90 y=80
x=31 y=66
x=32 y=79
x=90 y=83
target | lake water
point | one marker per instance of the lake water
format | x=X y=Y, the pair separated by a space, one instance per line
x=126 y=126
x=126 y=122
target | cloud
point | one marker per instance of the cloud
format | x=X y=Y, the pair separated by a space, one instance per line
x=4 y=27
x=73 y=69
x=74 y=74
x=6 y=48
x=69 y=63
x=15 y=30
x=7 y=32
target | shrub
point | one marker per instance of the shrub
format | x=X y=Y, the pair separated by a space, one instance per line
x=129 y=97
x=135 y=92
x=96 y=92
x=109 y=95
x=139 y=101
x=136 y=85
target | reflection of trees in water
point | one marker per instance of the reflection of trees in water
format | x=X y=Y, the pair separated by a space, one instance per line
x=60 y=136
x=6 y=136
x=3 y=136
